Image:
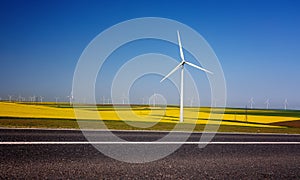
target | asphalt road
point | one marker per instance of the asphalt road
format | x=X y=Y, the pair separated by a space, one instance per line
x=84 y=161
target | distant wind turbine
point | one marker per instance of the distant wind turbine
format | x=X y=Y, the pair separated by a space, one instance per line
x=124 y=98
x=267 y=103
x=9 y=97
x=56 y=99
x=181 y=65
x=285 y=104
x=19 y=98
x=32 y=98
x=103 y=100
x=153 y=98
x=251 y=103
x=35 y=98
x=71 y=97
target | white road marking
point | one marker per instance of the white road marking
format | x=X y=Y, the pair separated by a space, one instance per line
x=146 y=143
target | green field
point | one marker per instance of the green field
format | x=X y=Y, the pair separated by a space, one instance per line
x=51 y=115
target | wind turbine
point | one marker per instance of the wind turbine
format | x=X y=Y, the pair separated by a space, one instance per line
x=152 y=100
x=71 y=97
x=41 y=98
x=251 y=103
x=9 y=97
x=19 y=98
x=35 y=98
x=56 y=99
x=32 y=98
x=124 y=98
x=267 y=103
x=181 y=65
x=103 y=100
x=285 y=104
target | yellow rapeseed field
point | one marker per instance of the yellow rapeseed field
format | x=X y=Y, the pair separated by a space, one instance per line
x=170 y=114
x=34 y=111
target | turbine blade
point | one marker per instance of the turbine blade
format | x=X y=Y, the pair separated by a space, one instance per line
x=180 y=46
x=195 y=66
x=177 y=67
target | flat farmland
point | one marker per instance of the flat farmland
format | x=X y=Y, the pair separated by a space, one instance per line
x=62 y=115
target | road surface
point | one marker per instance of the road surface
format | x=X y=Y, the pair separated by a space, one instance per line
x=266 y=156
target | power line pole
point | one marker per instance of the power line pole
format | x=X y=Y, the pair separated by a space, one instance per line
x=246 y=113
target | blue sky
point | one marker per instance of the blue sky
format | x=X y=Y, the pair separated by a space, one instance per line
x=257 y=43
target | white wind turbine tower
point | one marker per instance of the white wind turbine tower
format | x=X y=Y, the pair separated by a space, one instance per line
x=9 y=97
x=32 y=98
x=251 y=103
x=152 y=100
x=103 y=100
x=41 y=98
x=124 y=98
x=285 y=104
x=267 y=103
x=19 y=98
x=56 y=99
x=71 y=97
x=181 y=65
